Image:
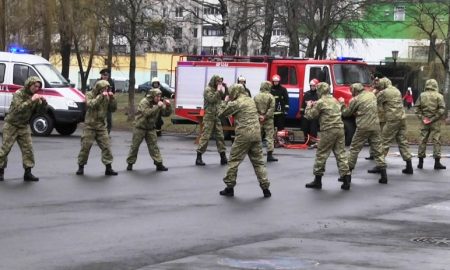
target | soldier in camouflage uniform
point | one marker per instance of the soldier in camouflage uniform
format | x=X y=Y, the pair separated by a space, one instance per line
x=213 y=95
x=377 y=90
x=328 y=110
x=265 y=104
x=149 y=110
x=364 y=107
x=390 y=99
x=98 y=102
x=25 y=103
x=247 y=140
x=430 y=107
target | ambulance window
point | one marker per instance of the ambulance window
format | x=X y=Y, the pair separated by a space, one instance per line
x=2 y=72
x=21 y=74
x=288 y=75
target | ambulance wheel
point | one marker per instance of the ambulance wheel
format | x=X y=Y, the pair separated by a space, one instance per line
x=41 y=125
x=66 y=129
x=349 y=128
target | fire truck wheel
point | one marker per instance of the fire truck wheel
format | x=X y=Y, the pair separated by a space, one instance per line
x=349 y=128
x=41 y=125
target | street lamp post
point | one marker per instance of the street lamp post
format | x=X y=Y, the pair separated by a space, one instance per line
x=395 y=56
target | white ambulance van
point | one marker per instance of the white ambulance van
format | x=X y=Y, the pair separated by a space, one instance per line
x=66 y=105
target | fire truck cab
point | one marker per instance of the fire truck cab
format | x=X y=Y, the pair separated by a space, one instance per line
x=193 y=74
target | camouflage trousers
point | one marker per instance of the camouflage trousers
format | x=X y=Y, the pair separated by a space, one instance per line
x=433 y=130
x=211 y=127
x=397 y=130
x=150 y=138
x=87 y=139
x=268 y=130
x=360 y=137
x=331 y=140
x=254 y=151
x=22 y=135
x=372 y=153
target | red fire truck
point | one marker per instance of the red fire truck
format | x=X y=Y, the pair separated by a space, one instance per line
x=193 y=74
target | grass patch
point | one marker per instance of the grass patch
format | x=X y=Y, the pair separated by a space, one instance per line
x=120 y=122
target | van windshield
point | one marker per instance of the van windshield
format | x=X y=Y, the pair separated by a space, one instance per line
x=351 y=73
x=51 y=75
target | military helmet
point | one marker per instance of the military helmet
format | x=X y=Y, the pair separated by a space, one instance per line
x=236 y=90
x=154 y=92
x=265 y=86
x=356 y=89
x=384 y=83
x=323 y=88
x=432 y=84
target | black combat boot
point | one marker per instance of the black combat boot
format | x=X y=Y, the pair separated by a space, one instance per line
x=409 y=168
x=375 y=169
x=130 y=167
x=383 y=179
x=270 y=157
x=347 y=179
x=199 y=161
x=110 y=171
x=228 y=192
x=2 y=174
x=80 y=170
x=438 y=165
x=28 y=176
x=161 y=167
x=223 y=158
x=370 y=157
x=316 y=184
x=420 y=165
x=342 y=178
x=267 y=193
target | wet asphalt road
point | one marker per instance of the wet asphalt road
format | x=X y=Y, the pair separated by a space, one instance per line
x=176 y=220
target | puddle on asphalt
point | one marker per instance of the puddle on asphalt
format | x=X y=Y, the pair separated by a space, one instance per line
x=278 y=263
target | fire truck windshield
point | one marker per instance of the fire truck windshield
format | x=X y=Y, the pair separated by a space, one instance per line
x=346 y=74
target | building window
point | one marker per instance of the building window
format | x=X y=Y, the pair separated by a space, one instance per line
x=211 y=11
x=212 y=50
x=278 y=32
x=179 y=12
x=177 y=50
x=164 y=12
x=212 y=31
x=177 y=33
x=197 y=11
x=399 y=13
x=195 y=32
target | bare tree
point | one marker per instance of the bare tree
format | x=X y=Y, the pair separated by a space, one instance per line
x=65 y=24
x=269 y=12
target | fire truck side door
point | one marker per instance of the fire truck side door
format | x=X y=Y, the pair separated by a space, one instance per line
x=320 y=72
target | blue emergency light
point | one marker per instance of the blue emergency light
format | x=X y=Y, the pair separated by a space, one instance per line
x=344 y=58
x=17 y=50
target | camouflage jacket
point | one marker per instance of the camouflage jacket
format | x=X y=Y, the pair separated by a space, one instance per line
x=364 y=108
x=212 y=99
x=390 y=99
x=22 y=107
x=148 y=112
x=327 y=109
x=97 y=106
x=430 y=102
x=243 y=108
x=265 y=102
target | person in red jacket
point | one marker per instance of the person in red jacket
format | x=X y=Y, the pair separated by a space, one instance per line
x=408 y=98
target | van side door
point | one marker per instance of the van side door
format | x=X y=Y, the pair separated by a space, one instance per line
x=21 y=72
x=3 y=89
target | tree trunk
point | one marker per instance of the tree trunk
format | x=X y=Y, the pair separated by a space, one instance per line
x=291 y=26
x=47 y=31
x=269 y=7
x=3 y=25
x=132 y=79
x=447 y=68
x=110 y=36
x=225 y=26
x=80 y=65
x=65 y=37
x=244 y=34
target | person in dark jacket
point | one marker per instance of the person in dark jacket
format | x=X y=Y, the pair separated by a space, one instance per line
x=310 y=127
x=243 y=81
x=105 y=74
x=281 y=102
